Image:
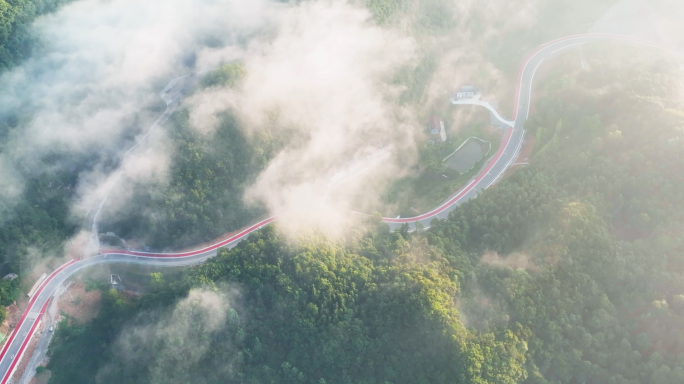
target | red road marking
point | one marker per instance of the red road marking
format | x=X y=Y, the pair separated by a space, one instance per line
x=23 y=317
x=268 y=221
x=525 y=61
x=465 y=190
x=197 y=252
x=18 y=356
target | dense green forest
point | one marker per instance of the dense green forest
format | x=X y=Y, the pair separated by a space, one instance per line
x=568 y=271
x=206 y=173
x=17 y=41
x=319 y=312
x=204 y=197
x=39 y=221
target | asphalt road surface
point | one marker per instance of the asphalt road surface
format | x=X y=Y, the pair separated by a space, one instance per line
x=514 y=135
x=13 y=349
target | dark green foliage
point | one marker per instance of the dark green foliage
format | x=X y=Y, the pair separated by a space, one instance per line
x=436 y=15
x=228 y=75
x=16 y=40
x=597 y=213
x=383 y=10
x=91 y=285
x=38 y=224
x=39 y=220
x=425 y=16
x=100 y=334
x=317 y=312
x=588 y=286
x=416 y=79
x=204 y=198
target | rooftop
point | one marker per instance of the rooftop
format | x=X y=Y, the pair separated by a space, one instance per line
x=434 y=122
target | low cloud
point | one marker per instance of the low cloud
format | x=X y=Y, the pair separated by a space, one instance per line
x=637 y=18
x=168 y=347
x=95 y=86
x=325 y=72
x=515 y=260
x=322 y=70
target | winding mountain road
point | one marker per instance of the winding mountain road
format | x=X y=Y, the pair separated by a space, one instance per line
x=515 y=133
x=16 y=343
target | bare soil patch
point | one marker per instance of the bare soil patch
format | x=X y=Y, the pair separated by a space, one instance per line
x=79 y=305
x=14 y=313
x=11 y=319
x=43 y=378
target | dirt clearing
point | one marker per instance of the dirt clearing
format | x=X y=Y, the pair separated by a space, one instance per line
x=80 y=306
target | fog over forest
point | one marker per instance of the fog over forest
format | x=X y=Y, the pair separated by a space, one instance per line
x=164 y=125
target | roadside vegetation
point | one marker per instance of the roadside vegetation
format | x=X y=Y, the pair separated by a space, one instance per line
x=39 y=221
x=207 y=173
x=203 y=199
x=428 y=20
x=556 y=19
x=34 y=224
x=569 y=271
x=315 y=312
x=17 y=42
x=432 y=180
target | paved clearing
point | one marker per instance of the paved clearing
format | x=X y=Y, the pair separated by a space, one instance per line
x=466 y=157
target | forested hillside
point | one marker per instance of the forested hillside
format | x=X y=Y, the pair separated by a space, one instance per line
x=17 y=42
x=320 y=312
x=39 y=221
x=206 y=173
x=568 y=271
x=204 y=197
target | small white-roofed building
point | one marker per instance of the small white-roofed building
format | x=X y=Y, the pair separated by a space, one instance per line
x=436 y=127
x=467 y=92
x=10 y=277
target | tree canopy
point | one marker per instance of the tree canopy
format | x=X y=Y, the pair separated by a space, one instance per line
x=568 y=271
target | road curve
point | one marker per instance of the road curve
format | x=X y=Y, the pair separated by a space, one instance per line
x=16 y=343
x=484 y=104
x=514 y=135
